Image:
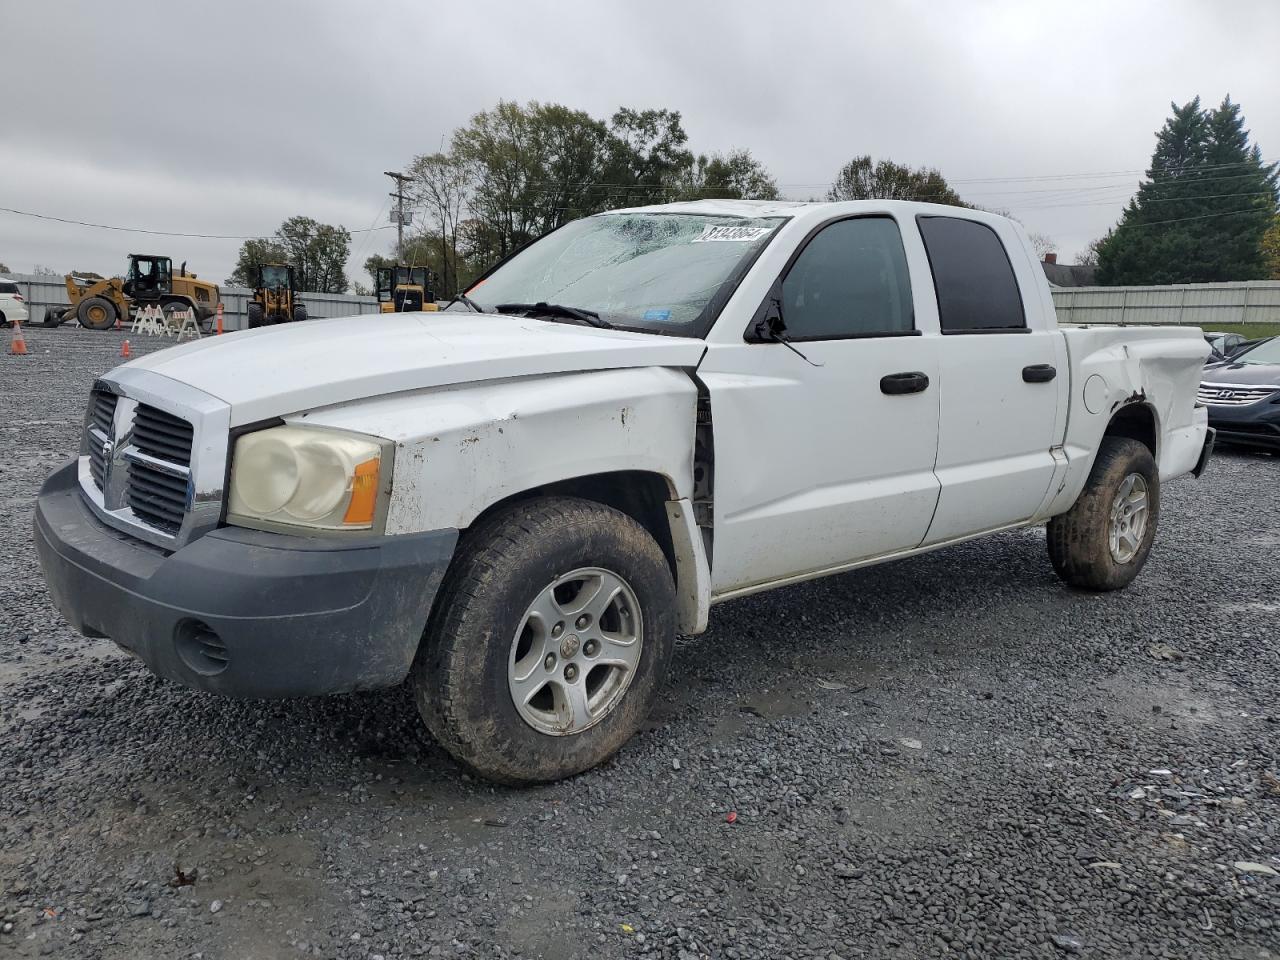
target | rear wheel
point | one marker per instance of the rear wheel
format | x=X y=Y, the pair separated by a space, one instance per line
x=96 y=313
x=254 y=312
x=299 y=312
x=550 y=641
x=1103 y=541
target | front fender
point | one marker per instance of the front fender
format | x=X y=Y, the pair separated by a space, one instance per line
x=461 y=449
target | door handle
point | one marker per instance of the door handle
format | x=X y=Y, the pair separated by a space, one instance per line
x=895 y=384
x=1039 y=373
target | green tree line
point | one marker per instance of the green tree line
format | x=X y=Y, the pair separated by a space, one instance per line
x=519 y=170
x=1206 y=211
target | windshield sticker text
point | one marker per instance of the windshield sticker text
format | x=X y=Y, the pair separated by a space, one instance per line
x=733 y=234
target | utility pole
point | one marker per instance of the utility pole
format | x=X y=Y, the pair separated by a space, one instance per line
x=398 y=196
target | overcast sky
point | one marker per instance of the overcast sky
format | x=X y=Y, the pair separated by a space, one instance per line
x=227 y=117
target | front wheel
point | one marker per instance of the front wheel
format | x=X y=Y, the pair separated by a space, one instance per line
x=299 y=313
x=1103 y=541
x=549 y=643
x=96 y=313
x=253 y=310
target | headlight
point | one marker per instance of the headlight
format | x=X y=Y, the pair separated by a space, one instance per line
x=308 y=477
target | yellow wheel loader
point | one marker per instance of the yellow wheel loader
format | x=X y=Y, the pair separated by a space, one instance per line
x=150 y=282
x=405 y=289
x=275 y=296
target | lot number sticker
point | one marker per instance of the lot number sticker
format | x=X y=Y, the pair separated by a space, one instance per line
x=732 y=234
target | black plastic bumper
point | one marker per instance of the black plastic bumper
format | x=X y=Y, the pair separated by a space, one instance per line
x=1252 y=425
x=244 y=612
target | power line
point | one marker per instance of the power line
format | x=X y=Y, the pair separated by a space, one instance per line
x=1203 y=216
x=1190 y=199
x=156 y=233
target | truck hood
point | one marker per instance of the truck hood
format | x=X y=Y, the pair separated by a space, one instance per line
x=275 y=371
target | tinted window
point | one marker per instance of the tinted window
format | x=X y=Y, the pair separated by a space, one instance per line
x=850 y=280
x=972 y=276
x=7 y=287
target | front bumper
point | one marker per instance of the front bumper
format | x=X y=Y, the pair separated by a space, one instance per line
x=244 y=612
x=1254 y=425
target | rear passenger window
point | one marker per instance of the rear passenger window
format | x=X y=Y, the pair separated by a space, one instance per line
x=850 y=280
x=7 y=287
x=972 y=276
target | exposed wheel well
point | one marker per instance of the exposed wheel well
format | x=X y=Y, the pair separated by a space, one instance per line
x=637 y=493
x=1135 y=421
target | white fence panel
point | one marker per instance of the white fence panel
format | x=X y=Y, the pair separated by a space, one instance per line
x=42 y=292
x=1193 y=304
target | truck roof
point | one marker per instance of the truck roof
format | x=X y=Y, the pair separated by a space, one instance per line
x=793 y=208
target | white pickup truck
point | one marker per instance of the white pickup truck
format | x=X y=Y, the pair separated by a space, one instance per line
x=518 y=503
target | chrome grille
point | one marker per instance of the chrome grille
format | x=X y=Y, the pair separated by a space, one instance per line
x=1233 y=395
x=153 y=457
x=102 y=411
x=162 y=435
x=159 y=459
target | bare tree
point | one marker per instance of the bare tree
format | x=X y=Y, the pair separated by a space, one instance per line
x=1043 y=244
x=443 y=183
x=1089 y=257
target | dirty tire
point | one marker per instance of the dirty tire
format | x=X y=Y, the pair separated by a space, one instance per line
x=96 y=313
x=254 y=312
x=1078 y=539
x=299 y=313
x=460 y=676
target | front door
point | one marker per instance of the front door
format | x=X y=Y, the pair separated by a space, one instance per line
x=824 y=460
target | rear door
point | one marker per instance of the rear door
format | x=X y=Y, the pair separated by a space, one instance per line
x=1004 y=378
x=826 y=458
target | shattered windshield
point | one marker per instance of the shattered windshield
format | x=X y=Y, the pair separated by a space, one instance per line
x=645 y=271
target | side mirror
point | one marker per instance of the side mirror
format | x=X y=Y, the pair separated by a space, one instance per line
x=768 y=317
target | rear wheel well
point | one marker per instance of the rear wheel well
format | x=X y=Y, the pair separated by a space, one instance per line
x=637 y=493
x=1135 y=421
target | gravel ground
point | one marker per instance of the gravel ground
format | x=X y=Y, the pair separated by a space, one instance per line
x=948 y=756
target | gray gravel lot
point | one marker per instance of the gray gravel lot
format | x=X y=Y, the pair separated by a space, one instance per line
x=948 y=756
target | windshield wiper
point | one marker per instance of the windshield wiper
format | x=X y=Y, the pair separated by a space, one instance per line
x=464 y=299
x=557 y=310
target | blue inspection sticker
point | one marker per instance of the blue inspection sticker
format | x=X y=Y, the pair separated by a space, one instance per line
x=659 y=315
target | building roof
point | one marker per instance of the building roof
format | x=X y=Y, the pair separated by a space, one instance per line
x=1070 y=274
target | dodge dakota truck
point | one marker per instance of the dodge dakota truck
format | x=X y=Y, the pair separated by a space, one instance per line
x=517 y=504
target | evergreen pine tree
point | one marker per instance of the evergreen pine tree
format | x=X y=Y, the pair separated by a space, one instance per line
x=1200 y=215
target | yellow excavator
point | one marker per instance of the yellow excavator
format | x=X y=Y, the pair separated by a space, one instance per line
x=404 y=289
x=150 y=282
x=275 y=296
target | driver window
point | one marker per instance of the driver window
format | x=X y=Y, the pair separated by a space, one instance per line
x=851 y=280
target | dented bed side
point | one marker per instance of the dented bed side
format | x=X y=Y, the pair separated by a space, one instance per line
x=1115 y=367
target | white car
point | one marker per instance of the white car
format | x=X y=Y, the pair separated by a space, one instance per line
x=13 y=307
x=518 y=503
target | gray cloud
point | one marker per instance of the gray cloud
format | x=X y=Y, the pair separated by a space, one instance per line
x=226 y=118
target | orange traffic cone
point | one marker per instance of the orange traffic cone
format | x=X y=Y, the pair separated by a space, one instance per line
x=124 y=349
x=17 y=345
